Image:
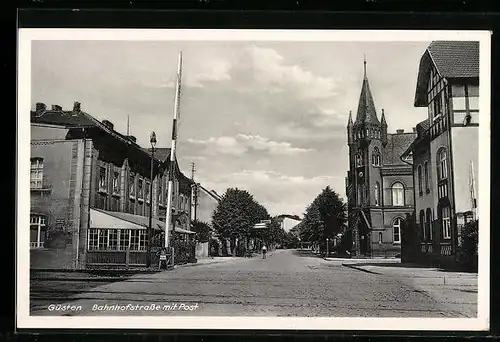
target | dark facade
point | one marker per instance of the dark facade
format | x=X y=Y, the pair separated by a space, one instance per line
x=445 y=151
x=81 y=167
x=379 y=184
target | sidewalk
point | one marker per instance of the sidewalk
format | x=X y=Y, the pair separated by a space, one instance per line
x=456 y=290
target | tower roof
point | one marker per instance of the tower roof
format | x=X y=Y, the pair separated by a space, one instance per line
x=366 y=107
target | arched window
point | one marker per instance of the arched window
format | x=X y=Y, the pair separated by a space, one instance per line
x=377 y=193
x=376 y=157
x=428 y=223
x=442 y=164
x=380 y=237
x=396 y=230
x=426 y=176
x=398 y=194
x=423 y=225
x=419 y=173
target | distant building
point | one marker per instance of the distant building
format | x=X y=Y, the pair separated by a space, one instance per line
x=288 y=222
x=379 y=185
x=90 y=191
x=445 y=151
x=204 y=203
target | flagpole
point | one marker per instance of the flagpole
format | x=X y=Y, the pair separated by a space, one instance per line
x=172 y=167
x=473 y=191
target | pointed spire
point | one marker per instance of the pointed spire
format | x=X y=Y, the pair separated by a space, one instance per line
x=349 y=122
x=366 y=107
x=382 y=118
x=364 y=64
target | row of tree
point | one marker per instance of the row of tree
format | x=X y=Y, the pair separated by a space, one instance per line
x=325 y=218
x=238 y=212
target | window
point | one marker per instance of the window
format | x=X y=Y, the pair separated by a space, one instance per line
x=359 y=160
x=124 y=239
x=442 y=165
x=398 y=194
x=143 y=239
x=131 y=184
x=134 y=240
x=147 y=190
x=102 y=179
x=93 y=243
x=37 y=231
x=376 y=157
x=116 y=182
x=446 y=222
x=419 y=172
x=112 y=239
x=396 y=229
x=465 y=101
x=380 y=237
x=428 y=223
x=437 y=106
x=36 y=173
x=377 y=193
x=103 y=239
x=426 y=176
x=423 y=225
x=140 y=189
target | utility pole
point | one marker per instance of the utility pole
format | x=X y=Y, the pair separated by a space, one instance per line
x=195 y=191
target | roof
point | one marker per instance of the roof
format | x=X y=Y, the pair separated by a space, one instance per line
x=396 y=146
x=452 y=59
x=366 y=106
x=161 y=153
x=140 y=220
x=422 y=126
x=212 y=193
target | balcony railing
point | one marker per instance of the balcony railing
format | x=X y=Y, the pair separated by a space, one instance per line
x=37 y=244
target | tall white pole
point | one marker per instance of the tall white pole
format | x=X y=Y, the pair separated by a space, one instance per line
x=473 y=191
x=168 y=218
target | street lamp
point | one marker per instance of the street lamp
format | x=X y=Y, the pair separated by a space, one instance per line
x=327 y=247
x=152 y=140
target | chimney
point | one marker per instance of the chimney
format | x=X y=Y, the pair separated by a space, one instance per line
x=40 y=107
x=108 y=124
x=76 y=106
x=56 y=107
x=414 y=130
x=400 y=131
x=132 y=138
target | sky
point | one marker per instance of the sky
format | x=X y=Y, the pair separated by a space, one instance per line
x=267 y=117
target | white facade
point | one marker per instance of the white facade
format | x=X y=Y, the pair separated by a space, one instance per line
x=287 y=224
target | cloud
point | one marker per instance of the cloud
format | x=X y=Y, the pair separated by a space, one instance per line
x=270 y=68
x=242 y=143
x=278 y=192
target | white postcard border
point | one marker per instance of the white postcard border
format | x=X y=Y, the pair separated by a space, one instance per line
x=23 y=318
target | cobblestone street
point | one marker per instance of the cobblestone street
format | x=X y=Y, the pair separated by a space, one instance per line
x=287 y=283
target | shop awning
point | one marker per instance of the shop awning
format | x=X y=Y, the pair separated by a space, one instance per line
x=118 y=220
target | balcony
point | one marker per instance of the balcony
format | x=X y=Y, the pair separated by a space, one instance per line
x=37 y=244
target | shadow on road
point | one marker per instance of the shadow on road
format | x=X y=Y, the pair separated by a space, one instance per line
x=305 y=253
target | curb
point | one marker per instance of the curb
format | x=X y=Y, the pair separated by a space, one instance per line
x=359 y=268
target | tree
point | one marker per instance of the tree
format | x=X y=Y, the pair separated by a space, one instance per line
x=235 y=215
x=325 y=217
x=202 y=230
x=467 y=251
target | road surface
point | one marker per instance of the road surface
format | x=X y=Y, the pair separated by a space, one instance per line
x=287 y=283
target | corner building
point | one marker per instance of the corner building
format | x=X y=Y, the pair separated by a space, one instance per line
x=379 y=184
